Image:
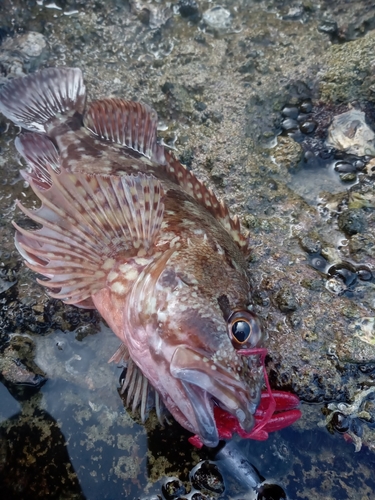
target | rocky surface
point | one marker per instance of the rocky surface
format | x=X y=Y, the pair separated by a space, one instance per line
x=246 y=93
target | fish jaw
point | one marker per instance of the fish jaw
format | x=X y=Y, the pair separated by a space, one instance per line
x=206 y=384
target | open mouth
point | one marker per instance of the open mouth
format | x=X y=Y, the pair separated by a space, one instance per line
x=207 y=383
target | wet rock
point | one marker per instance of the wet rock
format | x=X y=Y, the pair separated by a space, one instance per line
x=328 y=27
x=352 y=221
x=349 y=132
x=189 y=9
x=294 y=13
x=287 y=154
x=348 y=177
x=12 y=363
x=179 y=99
x=310 y=243
x=153 y=15
x=286 y=300
x=248 y=67
x=213 y=115
x=6 y=285
x=217 y=18
x=362 y=246
x=24 y=53
x=348 y=73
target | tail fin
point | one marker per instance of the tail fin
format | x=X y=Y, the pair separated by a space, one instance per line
x=32 y=101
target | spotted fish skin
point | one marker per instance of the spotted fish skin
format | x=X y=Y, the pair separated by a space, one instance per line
x=128 y=230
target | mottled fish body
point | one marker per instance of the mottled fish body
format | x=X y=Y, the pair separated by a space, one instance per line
x=128 y=230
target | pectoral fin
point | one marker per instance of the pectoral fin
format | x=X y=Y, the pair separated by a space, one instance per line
x=88 y=221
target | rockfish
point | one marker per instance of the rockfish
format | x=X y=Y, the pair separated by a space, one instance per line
x=128 y=230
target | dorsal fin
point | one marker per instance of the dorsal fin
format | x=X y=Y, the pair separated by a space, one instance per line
x=130 y=124
x=32 y=101
x=207 y=198
x=40 y=153
x=87 y=221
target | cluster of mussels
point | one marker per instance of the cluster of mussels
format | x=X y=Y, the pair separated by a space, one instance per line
x=297 y=119
x=342 y=278
x=207 y=483
x=308 y=126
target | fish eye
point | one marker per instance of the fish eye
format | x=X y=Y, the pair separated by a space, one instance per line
x=244 y=329
x=241 y=330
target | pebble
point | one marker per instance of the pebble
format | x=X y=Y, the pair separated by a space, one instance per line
x=328 y=27
x=352 y=221
x=348 y=177
x=24 y=53
x=349 y=132
x=286 y=300
x=217 y=18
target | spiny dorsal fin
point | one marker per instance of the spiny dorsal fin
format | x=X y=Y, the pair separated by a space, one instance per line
x=130 y=124
x=40 y=153
x=207 y=198
x=87 y=221
x=32 y=101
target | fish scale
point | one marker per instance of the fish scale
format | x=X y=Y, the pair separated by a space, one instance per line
x=128 y=230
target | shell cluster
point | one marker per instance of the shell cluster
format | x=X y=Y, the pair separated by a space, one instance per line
x=206 y=482
x=330 y=138
x=341 y=277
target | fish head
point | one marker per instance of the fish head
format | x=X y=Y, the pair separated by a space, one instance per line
x=211 y=371
x=201 y=326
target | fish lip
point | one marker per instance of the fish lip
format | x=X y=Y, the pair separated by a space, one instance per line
x=205 y=386
x=203 y=407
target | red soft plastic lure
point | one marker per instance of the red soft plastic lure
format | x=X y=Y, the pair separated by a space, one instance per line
x=276 y=410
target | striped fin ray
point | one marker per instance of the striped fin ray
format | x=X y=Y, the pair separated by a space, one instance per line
x=87 y=220
x=140 y=394
x=39 y=152
x=137 y=389
x=32 y=101
x=127 y=123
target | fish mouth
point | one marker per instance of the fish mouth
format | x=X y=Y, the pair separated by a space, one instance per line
x=207 y=383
